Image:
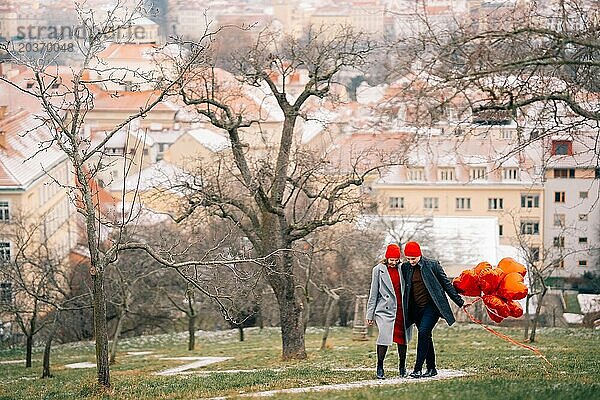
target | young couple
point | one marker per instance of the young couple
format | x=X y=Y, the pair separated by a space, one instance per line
x=403 y=294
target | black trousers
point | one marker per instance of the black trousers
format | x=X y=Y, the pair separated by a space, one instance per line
x=425 y=319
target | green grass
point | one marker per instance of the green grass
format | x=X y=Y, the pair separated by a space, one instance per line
x=497 y=369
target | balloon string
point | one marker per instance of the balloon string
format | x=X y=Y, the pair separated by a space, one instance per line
x=499 y=334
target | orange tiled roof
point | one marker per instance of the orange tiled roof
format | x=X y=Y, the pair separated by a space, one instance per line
x=128 y=101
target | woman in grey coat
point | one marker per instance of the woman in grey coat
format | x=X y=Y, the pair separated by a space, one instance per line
x=385 y=308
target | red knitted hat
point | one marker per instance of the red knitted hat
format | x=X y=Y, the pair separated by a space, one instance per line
x=393 y=251
x=412 y=249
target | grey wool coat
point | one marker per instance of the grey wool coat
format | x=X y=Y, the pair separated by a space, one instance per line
x=437 y=283
x=382 y=305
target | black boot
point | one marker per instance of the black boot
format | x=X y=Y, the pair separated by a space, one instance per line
x=402 y=372
x=416 y=374
x=402 y=361
x=430 y=372
x=381 y=350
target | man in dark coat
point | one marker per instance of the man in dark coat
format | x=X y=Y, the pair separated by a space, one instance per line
x=425 y=300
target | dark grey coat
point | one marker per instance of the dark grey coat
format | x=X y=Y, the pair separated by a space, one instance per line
x=437 y=284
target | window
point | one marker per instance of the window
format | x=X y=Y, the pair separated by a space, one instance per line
x=559 y=197
x=431 y=203
x=446 y=174
x=4 y=211
x=416 y=174
x=510 y=174
x=4 y=251
x=477 y=173
x=506 y=134
x=562 y=147
x=6 y=293
x=558 y=241
x=396 y=202
x=463 y=203
x=583 y=195
x=583 y=217
x=559 y=220
x=582 y=240
x=495 y=203
x=530 y=228
x=530 y=200
x=560 y=264
x=535 y=253
x=583 y=263
x=500 y=230
x=115 y=150
x=564 y=173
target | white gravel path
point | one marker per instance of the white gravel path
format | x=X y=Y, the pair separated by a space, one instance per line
x=85 y=364
x=442 y=374
x=198 y=362
x=14 y=361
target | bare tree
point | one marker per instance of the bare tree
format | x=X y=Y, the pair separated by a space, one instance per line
x=40 y=281
x=533 y=64
x=131 y=285
x=66 y=104
x=281 y=193
x=335 y=262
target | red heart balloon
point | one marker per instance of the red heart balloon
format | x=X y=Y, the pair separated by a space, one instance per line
x=515 y=309
x=512 y=287
x=496 y=304
x=467 y=283
x=489 y=279
x=509 y=265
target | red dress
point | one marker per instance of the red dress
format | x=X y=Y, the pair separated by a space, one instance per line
x=399 y=322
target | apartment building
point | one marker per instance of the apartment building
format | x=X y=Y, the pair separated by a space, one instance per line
x=572 y=231
x=468 y=177
x=33 y=190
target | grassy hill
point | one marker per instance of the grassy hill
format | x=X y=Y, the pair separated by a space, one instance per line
x=496 y=369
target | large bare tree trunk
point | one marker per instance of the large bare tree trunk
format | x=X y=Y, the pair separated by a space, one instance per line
x=241 y=332
x=100 y=327
x=291 y=316
x=281 y=280
x=292 y=329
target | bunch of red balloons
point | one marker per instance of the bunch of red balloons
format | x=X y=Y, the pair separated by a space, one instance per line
x=498 y=287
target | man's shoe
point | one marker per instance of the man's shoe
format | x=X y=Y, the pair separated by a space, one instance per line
x=403 y=373
x=380 y=374
x=416 y=374
x=430 y=372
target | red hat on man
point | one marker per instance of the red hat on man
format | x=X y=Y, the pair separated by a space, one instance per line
x=392 y=251
x=412 y=249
